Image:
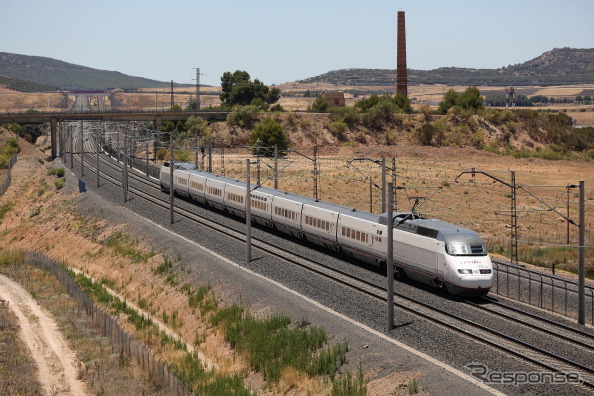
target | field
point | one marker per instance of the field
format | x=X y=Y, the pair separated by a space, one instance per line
x=292 y=98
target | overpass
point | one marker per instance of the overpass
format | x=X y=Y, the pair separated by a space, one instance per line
x=156 y=117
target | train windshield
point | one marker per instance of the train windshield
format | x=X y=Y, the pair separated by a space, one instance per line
x=461 y=249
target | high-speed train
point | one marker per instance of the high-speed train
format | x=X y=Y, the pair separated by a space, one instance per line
x=430 y=251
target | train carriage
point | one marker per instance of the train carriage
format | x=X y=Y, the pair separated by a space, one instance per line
x=361 y=237
x=318 y=223
x=286 y=214
x=261 y=206
x=234 y=197
x=214 y=192
x=197 y=186
x=428 y=250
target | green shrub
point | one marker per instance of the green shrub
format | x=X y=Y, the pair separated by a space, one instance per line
x=59 y=183
x=162 y=153
x=243 y=116
x=266 y=135
x=320 y=105
x=338 y=128
x=348 y=115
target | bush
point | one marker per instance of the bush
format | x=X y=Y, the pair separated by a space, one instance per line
x=162 y=153
x=348 y=115
x=59 y=183
x=267 y=134
x=338 y=128
x=425 y=134
x=320 y=105
x=243 y=116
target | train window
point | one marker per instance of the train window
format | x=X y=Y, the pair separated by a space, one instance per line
x=358 y=236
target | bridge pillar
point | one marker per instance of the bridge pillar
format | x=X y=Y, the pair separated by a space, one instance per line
x=54 y=125
x=157 y=123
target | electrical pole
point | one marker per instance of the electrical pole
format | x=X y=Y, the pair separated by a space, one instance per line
x=125 y=169
x=383 y=184
x=197 y=88
x=171 y=176
x=581 y=258
x=514 y=220
x=248 y=215
x=275 y=167
x=390 y=258
x=98 y=145
x=315 y=172
x=71 y=129
x=82 y=168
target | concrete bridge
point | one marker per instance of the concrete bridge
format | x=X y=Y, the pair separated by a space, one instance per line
x=157 y=117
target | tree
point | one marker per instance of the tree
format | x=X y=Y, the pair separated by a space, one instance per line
x=31 y=132
x=197 y=126
x=238 y=89
x=267 y=134
x=402 y=101
x=320 y=105
x=471 y=99
x=449 y=100
x=539 y=99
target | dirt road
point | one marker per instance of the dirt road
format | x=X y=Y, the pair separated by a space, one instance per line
x=56 y=362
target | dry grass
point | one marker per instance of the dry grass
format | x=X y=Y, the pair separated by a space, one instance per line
x=17 y=368
x=478 y=204
x=100 y=365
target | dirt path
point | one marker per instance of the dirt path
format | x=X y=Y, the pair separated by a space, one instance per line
x=56 y=363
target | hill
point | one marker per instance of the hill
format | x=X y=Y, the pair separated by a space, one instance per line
x=25 y=86
x=68 y=76
x=561 y=66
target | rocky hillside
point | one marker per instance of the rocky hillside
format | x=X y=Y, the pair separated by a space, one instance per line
x=68 y=76
x=523 y=133
x=562 y=66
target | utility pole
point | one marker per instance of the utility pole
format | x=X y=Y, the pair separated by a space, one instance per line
x=171 y=177
x=514 y=216
x=82 y=150
x=71 y=129
x=514 y=221
x=315 y=172
x=125 y=169
x=98 y=145
x=390 y=258
x=275 y=167
x=383 y=184
x=172 y=100
x=197 y=88
x=581 y=257
x=248 y=214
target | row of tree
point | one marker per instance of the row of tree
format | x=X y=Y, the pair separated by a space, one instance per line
x=522 y=100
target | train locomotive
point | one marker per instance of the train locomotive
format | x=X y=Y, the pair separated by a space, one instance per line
x=430 y=251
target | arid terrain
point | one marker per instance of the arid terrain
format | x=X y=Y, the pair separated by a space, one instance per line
x=42 y=218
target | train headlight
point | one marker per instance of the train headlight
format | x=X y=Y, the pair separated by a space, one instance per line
x=465 y=271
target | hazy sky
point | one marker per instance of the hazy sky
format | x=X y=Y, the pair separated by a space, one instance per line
x=281 y=41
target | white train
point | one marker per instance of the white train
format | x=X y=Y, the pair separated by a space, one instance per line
x=431 y=251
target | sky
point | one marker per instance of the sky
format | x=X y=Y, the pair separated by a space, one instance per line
x=282 y=41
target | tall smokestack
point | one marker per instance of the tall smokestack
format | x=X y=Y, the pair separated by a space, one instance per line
x=401 y=81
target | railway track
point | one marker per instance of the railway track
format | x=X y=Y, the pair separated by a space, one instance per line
x=510 y=345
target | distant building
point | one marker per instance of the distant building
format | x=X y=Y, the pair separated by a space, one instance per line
x=335 y=98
